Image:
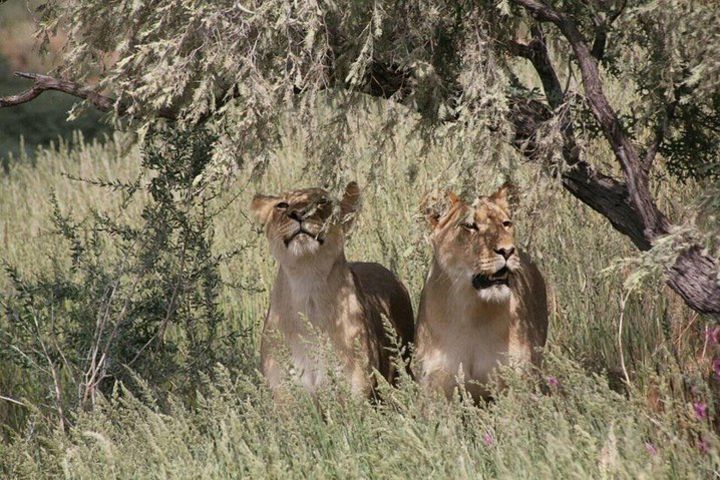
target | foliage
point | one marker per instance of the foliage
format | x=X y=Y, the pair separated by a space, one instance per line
x=131 y=298
x=584 y=428
x=578 y=428
x=680 y=86
x=191 y=56
x=447 y=60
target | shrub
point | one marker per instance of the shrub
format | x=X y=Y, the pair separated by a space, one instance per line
x=131 y=299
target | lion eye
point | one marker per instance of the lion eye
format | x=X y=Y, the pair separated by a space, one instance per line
x=282 y=205
x=507 y=224
x=470 y=226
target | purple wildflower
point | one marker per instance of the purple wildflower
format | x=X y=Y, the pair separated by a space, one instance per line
x=716 y=367
x=713 y=335
x=700 y=410
x=488 y=439
x=651 y=449
x=552 y=381
x=703 y=446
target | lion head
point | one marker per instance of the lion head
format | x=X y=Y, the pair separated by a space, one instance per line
x=303 y=224
x=474 y=243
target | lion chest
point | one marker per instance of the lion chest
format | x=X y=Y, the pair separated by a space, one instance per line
x=468 y=348
x=322 y=331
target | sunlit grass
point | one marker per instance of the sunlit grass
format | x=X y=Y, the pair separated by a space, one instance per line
x=576 y=427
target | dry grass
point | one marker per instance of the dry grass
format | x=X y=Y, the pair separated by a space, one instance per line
x=583 y=428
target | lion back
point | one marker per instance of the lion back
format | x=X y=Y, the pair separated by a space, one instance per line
x=385 y=294
x=531 y=295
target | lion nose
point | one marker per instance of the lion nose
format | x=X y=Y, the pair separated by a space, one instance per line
x=295 y=215
x=505 y=252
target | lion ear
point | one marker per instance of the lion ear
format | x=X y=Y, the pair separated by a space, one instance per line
x=505 y=197
x=262 y=206
x=350 y=204
x=435 y=205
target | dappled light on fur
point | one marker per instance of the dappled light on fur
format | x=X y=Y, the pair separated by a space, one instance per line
x=321 y=299
x=484 y=301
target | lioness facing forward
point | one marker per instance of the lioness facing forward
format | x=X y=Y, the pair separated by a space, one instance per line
x=484 y=302
x=320 y=297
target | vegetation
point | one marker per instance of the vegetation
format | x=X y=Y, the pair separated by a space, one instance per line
x=84 y=326
x=135 y=284
x=452 y=62
x=576 y=419
x=24 y=128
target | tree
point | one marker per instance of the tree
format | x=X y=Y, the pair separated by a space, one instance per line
x=451 y=61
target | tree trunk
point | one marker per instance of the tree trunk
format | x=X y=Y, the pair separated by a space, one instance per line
x=694 y=276
x=629 y=206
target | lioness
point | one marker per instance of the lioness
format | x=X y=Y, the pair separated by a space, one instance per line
x=320 y=297
x=484 y=302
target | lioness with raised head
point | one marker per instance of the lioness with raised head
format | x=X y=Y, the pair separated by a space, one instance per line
x=319 y=297
x=484 y=301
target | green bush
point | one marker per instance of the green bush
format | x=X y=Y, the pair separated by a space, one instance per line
x=131 y=299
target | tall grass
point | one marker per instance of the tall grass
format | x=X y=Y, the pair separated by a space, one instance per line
x=584 y=422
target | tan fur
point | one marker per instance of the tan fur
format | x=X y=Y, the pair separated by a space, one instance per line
x=464 y=331
x=320 y=298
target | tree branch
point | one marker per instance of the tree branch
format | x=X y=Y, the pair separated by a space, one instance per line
x=600 y=40
x=44 y=83
x=616 y=14
x=635 y=176
x=600 y=192
x=601 y=31
x=694 y=275
x=661 y=131
x=536 y=52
